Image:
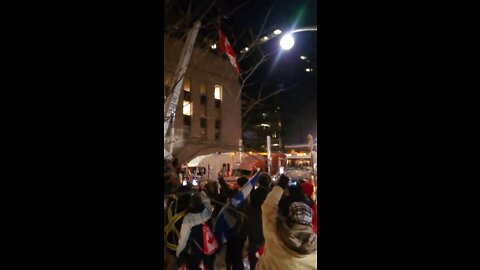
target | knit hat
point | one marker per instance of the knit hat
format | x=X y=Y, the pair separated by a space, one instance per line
x=307 y=189
x=242 y=180
x=264 y=180
x=301 y=213
x=195 y=204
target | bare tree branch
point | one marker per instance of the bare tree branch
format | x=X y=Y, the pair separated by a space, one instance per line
x=207 y=10
x=255 y=42
x=265 y=98
x=244 y=80
x=236 y=9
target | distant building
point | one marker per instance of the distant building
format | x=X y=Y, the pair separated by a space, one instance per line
x=263 y=121
x=299 y=148
x=208 y=118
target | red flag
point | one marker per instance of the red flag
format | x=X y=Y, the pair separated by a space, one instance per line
x=259 y=252
x=210 y=244
x=228 y=50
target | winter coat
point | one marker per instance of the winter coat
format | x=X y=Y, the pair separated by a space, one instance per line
x=287 y=246
x=240 y=229
x=192 y=254
x=254 y=220
x=180 y=205
x=193 y=219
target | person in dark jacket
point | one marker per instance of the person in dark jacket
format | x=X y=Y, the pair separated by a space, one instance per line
x=170 y=177
x=190 y=244
x=295 y=194
x=238 y=233
x=176 y=209
x=254 y=220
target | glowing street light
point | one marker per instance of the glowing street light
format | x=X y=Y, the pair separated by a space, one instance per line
x=287 y=41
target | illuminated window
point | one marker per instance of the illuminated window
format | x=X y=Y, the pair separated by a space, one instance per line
x=218 y=92
x=186 y=84
x=187 y=107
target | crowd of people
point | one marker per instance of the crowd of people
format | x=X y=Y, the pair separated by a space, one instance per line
x=277 y=221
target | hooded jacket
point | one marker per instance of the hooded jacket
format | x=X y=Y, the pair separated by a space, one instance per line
x=191 y=220
x=288 y=246
x=254 y=220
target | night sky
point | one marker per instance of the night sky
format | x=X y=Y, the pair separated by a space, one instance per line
x=298 y=105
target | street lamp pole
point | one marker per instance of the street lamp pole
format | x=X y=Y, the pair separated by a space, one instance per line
x=304 y=29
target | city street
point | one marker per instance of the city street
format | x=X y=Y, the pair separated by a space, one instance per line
x=240 y=129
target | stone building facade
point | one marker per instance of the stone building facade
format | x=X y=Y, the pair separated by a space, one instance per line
x=208 y=117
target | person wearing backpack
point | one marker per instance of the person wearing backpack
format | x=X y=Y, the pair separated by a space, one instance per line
x=197 y=244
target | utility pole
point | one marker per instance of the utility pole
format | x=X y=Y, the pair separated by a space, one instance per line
x=269 y=154
x=170 y=105
x=310 y=146
x=240 y=149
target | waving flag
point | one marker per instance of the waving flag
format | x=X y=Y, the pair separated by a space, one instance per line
x=210 y=244
x=228 y=50
x=224 y=220
x=245 y=191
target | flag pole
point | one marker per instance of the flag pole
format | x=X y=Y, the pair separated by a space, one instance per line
x=171 y=104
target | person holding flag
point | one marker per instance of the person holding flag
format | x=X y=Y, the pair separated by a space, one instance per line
x=230 y=227
x=254 y=220
x=197 y=244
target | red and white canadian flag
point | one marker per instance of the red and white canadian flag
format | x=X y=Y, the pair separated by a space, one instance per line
x=210 y=244
x=228 y=50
